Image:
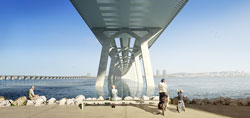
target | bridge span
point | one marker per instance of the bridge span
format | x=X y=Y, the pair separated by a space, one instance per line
x=126 y=29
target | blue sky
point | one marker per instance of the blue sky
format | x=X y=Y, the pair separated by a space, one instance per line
x=48 y=37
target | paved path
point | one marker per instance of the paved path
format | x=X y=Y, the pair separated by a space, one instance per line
x=131 y=111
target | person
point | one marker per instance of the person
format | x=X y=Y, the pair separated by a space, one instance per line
x=180 y=97
x=113 y=95
x=31 y=94
x=162 y=89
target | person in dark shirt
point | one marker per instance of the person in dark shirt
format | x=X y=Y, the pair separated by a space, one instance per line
x=180 y=101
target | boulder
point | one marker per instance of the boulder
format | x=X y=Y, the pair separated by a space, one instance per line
x=197 y=101
x=51 y=101
x=29 y=102
x=128 y=98
x=136 y=98
x=20 y=101
x=62 y=101
x=41 y=100
x=118 y=98
x=206 y=101
x=186 y=100
x=155 y=98
x=145 y=97
x=100 y=98
x=242 y=102
x=70 y=101
x=89 y=99
x=5 y=103
x=2 y=98
x=78 y=99
x=228 y=101
x=174 y=101
x=219 y=100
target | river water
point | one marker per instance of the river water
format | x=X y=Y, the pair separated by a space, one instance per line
x=193 y=87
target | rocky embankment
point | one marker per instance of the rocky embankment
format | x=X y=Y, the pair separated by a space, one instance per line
x=42 y=100
x=216 y=101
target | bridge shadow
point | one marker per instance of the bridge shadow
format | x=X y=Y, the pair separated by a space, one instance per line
x=225 y=110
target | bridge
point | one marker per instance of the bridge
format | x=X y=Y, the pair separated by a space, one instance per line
x=34 y=77
x=126 y=29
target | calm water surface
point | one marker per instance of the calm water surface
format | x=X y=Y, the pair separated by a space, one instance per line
x=193 y=87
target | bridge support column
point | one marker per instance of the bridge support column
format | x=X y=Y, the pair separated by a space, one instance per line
x=102 y=68
x=139 y=76
x=147 y=69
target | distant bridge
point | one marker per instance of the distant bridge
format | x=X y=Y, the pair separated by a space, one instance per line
x=26 y=77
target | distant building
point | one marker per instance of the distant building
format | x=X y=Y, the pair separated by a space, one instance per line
x=164 y=74
x=88 y=74
x=157 y=73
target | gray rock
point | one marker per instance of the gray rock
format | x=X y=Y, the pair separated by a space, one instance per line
x=5 y=103
x=29 y=102
x=20 y=101
x=197 y=101
x=70 y=101
x=51 y=101
x=206 y=101
x=186 y=100
x=78 y=99
x=100 y=98
x=2 y=98
x=219 y=101
x=128 y=98
x=145 y=97
x=62 y=101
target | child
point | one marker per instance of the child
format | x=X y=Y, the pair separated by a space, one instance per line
x=181 y=104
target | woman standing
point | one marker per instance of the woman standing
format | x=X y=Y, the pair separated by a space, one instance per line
x=113 y=96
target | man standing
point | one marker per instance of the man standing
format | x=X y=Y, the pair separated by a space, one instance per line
x=162 y=89
x=31 y=94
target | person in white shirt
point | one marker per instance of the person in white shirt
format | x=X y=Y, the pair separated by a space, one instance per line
x=31 y=94
x=162 y=89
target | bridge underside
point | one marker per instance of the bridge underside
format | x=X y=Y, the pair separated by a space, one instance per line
x=126 y=29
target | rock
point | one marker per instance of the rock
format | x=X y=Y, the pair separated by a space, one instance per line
x=100 y=98
x=20 y=101
x=5 y=103
x=186 y=100
x=80 y=97
x=44 y=98
x=70 y=101
x=136 y=98
x=62 y=101
x=29 y=102
x=128 y=98
x=197 y=101
x=242 y=102
x=206 y=101
x=2 y=98
x=228 y=101
x=41 y=100
x=11 y=101
x=89 y=99
x=51 y=101
x=145 y=97
x=118 y=98
x=78 y=100
x=174 y=101
x=155 y=98
x=219 y=100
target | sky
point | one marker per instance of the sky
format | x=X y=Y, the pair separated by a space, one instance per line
x=48 y=37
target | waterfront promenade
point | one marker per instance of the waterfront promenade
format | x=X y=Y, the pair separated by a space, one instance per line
x=129 y=111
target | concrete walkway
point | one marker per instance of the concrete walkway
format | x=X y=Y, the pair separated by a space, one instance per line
x=131 y=111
